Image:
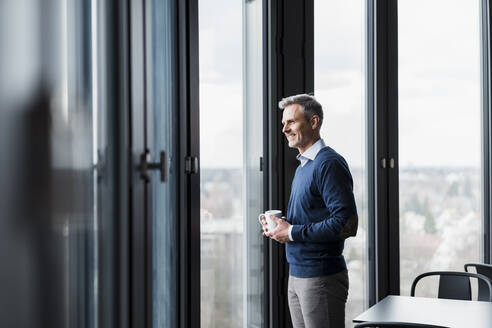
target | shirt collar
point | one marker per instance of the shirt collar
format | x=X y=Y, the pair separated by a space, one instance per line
x=311 y=152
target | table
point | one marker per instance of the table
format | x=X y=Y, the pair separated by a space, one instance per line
x=437 y=311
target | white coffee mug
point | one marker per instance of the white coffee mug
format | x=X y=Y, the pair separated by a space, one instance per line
x=270 y=223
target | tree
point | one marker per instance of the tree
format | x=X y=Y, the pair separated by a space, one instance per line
x=430 y=221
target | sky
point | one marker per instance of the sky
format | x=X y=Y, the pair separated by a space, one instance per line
x=439 y=81
x=221 y=102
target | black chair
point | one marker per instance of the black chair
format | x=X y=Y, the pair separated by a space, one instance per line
x=486 y=270
x=455 y=285
x=395 y=324
x=377 y=324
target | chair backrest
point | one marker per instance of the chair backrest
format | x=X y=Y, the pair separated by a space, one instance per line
x=455 y=285
x=395 y=324
x=486 y=270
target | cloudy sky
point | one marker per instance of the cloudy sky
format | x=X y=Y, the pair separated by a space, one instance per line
x=439 y=80
x=221 y=102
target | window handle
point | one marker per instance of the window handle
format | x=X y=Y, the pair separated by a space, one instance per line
x=145 y=166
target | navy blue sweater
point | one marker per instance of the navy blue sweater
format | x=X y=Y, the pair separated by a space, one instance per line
x=323 y=213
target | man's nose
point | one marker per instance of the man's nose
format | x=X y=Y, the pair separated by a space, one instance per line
x=285 y=129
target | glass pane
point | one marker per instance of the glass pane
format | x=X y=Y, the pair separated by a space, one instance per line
x=253 y=150
x=439 y=137
x=162 y=106
x=339 y=87
x=230 y=148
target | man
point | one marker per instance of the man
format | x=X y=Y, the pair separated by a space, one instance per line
x=321 y=214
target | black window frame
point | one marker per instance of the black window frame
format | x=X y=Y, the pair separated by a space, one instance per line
x=386 y=220
x=485 y=61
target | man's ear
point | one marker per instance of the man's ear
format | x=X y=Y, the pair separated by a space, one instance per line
x=314 y=122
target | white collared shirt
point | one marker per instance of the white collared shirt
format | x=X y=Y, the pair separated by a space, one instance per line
x=308 y=155
x=311 y=152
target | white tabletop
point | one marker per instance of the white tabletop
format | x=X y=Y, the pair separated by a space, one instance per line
x=437 y=311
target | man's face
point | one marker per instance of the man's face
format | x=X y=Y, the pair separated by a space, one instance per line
x=297 y=129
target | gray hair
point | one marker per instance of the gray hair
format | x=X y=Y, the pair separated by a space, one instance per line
x=309 y=104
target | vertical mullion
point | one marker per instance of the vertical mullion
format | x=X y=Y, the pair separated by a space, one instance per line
x=274 y=167
x=189 y=223
x=371 y=150
x=486 y=135
x=123 y=181
x=266 y=153
x=194 y=151
x=381 y=223
x=393 y=176
x=272 y=157
x=386 y=120
x=183 y=242
x=277 y=304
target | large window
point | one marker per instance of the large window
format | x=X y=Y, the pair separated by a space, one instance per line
x=439 y=136
x=230 y=34
x=339 y=86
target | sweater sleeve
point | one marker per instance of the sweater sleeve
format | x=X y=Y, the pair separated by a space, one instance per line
x=336 y=188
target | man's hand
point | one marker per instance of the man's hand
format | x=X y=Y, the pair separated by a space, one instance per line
x=281 y=231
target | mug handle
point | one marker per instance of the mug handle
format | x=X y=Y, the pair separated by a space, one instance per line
x=259 y=217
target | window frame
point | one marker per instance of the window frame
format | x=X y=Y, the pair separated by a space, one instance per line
x=485 y=60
